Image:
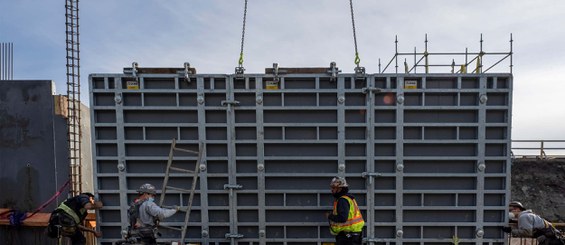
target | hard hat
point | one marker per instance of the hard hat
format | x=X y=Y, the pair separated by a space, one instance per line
x=338 y=182
x=87 y=194
x=517 y=205
x=146 y=188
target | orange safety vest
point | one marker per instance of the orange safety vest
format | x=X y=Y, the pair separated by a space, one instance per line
x=354 y=221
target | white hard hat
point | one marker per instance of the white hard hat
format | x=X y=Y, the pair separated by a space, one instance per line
x=338 y=182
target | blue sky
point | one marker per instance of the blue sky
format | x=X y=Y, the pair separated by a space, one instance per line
x=298 y=33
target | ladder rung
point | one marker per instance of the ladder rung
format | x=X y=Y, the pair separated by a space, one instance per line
x=185 y=150
x=182 y=170
x=170 y=227
x=178 y=189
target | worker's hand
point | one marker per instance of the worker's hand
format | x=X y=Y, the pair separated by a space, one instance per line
x=176 y=207
x=98 y=204
x=97 y=233
x=506 y=229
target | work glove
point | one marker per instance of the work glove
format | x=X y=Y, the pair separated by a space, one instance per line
x=506 y=229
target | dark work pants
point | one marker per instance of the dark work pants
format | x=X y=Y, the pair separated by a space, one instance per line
x=148 y=241
x=78 y=238
x=348 y=239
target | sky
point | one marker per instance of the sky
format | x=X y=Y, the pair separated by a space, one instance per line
x=299 y=33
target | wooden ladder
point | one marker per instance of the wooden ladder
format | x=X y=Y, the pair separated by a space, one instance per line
x=191 y=174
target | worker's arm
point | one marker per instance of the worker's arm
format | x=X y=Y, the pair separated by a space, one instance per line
x=342 y=211
x=84 y=228
x=94 y=205
x=158 y=212
x=525 y=226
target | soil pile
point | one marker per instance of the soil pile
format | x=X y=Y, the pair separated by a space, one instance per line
x=540 y=186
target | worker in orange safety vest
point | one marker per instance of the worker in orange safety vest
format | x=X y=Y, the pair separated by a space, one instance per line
x=346 y=221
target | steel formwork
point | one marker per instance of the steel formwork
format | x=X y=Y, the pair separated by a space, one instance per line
x=426 y=155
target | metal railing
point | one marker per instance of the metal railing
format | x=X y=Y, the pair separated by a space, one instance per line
x=538 y=149
x=531 y=241
x=450 y=62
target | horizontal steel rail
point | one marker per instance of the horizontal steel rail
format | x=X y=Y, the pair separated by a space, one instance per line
x=539 y=149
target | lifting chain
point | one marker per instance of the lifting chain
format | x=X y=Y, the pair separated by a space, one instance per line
x=359 y=71
x=239 y=69
x=357 y=59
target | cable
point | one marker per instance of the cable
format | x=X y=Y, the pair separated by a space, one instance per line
x=357 y=59
x=243 y=35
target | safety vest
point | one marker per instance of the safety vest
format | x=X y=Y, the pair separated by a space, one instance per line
x=71 y=212
x=354 y=221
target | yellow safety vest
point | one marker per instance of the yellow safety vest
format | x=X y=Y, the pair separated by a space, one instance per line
x=354 y=221
x=71 y=212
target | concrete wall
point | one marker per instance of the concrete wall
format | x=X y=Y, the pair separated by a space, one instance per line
x=33 y=147
x=33 y=154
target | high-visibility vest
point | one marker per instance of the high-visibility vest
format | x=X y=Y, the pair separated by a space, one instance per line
x=354 y=222
x=71 y=212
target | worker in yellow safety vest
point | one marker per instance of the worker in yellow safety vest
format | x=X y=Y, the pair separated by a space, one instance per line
x=346 y=221
x=67 y=219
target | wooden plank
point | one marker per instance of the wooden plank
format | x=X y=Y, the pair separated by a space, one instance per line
x=160 y=70
x=38 y=220
x=298 y=70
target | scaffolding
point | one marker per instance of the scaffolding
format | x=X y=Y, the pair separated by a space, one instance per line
x=73 y=94
x=458 y=62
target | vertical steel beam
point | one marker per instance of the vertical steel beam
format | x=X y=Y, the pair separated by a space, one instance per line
x=371 y=159
x=201 y=106
x=341 y=126
x=122 y=163
x=481 y=151
x=259 y=117
x=399 y=150
x=232 y=169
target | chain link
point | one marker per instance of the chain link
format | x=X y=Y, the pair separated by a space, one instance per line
x=243 y=35
x=357 y=59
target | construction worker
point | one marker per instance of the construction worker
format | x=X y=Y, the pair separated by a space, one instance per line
x=67 y=219
x=149 y=214
x=531 y=225
x=346 y=222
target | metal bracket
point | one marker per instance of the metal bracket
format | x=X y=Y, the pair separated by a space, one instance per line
x=366 y=174
x=233 y=235
x=374 y=240
x=187 y=72
x=229 y=102
x=134 y=66
x=370 y=89
x=233 y=187
x=371 y=176
x=359 y=72
x=239 y=72
x=276 y=72
x=333 y=71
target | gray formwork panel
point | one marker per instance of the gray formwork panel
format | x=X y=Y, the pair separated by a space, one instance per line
x=425 y=163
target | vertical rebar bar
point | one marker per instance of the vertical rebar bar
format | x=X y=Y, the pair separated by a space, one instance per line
x=6 y=61
x=73 y=95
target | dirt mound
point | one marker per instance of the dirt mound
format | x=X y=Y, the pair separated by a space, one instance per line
x=540 y=186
